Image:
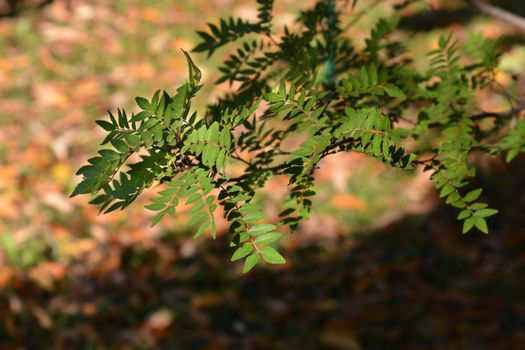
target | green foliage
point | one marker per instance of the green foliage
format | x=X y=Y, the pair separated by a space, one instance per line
x=514 y=141
x=309 y=81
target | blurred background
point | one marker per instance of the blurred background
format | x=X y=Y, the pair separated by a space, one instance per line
x=380 y=265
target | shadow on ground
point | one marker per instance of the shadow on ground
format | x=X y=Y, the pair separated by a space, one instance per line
x=418 y=284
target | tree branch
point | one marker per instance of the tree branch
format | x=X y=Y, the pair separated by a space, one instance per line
x=332 y=147
x=499 y=14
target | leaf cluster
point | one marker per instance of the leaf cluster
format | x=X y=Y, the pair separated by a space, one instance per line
x=306 y=80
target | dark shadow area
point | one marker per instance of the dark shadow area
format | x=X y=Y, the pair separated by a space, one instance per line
x=14 y=8
x=507 y=42
x=515 y=6
x=434 y=19
x=418 y=284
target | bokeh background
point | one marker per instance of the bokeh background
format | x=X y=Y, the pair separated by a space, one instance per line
x=380 y=265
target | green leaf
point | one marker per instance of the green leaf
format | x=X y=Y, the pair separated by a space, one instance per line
x=254 y=217
x=195 y=74
x=109 y=154
x=478 y=206
x=105 y=125
x=251 y=208
x=157 y=218
x=241 y=252
x=212 y=223
x=143 y=103
x=386 y=146
x=261 y=228
x=272 y=256
x=133 y=140
x=376 y=145
x=511 y=154
x=282 y=89
x=394 y=91
x=457 y=204
x=267 y=238
x=483 y=213
x=472 y=195
x=465 y=213
x=363 y=77
x=220 y=161
x=155 y=206
x=201 y=229
x=140 y=116
x=481 y=224
x=82 y=188
x=453 y=197
x=445 y=191
x=468 y=224
x=120 y=146
x=250 y=262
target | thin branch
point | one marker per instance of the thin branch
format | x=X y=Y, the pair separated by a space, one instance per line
x=425 y=161
x=269 y=36
x=332 y=147
x=238 y=157
x=499 y=14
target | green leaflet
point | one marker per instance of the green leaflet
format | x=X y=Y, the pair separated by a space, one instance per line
x=211 y=143
x=250 y=236
x=195 y=74
x=267 y=238
x=242 y=252
x=250 y=262
x=514 y=141
x=272 y=256
x=195 y=187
